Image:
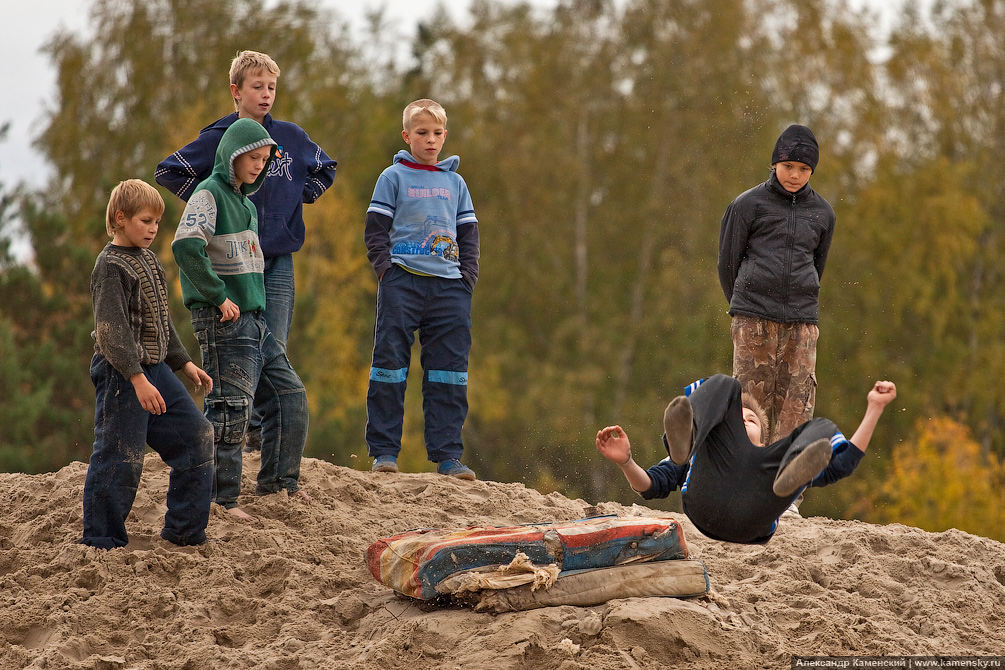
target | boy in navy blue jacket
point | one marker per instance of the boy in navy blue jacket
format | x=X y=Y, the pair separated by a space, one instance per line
x=299 y=174
x=733 y=487
x=422 y=239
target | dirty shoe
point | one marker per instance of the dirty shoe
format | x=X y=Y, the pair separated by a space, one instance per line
x=803 y=467
x=384 y=464
x=678 y=428
x=454 y=468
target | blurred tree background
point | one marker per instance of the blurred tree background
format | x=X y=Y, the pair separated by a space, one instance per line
x=601 y=141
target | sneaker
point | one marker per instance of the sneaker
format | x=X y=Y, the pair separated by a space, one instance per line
x=454 y=468
x=803 y=467
x=384 y=464
x=678 y=427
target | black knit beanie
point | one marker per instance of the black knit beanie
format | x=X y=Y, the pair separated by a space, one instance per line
x=797 y=143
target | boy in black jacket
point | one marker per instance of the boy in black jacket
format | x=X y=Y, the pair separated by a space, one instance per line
x=773 y=245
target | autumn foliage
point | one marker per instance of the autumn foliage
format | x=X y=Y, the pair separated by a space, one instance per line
x=601 y=142
x=941 y=478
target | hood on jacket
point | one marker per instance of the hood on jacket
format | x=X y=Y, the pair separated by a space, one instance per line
x=242 y=136
x=446 y=165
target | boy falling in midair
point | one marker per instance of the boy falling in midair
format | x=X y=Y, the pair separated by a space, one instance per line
x=733 y=487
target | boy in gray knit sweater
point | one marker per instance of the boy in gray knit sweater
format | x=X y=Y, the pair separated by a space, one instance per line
x=139 y=399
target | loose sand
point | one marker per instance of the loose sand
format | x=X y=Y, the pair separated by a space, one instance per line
x=293 y=592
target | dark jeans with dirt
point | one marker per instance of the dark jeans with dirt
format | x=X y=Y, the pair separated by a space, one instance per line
x=122 y=430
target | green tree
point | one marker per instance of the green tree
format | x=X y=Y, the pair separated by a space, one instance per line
x=947 y=74
x=44 y=342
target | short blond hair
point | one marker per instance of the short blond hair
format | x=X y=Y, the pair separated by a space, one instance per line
x=420 y=107
x=131 y=197
x=750 y=402
x=247 y=63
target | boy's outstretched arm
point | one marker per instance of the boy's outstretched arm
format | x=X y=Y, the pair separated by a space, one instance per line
x=881 y=395
x=613 y=444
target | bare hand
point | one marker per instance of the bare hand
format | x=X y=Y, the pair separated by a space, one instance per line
x=613 y=444
x=882 y=394
x=150 y=398
x=229 y=311
x=202 y=381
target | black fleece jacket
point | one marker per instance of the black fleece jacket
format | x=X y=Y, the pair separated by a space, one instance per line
x=772 y=249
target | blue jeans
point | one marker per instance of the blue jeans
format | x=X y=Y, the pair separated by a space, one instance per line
x=280 y=291
x=440 y=309
x=249 y=367
x=122 y=429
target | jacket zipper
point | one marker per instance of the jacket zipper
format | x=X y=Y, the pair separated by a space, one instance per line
x=788 y=259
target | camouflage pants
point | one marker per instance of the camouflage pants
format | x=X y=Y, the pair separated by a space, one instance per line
x=776 y=363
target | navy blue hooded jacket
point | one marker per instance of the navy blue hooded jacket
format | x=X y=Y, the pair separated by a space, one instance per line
x=772 y=250
x=301 y=173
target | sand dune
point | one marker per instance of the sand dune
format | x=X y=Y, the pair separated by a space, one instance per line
x=293 y=592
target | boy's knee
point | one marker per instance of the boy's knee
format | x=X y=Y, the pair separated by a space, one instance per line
x=204 y=442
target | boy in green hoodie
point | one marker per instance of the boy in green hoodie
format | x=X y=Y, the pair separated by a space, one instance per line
x=217 y=249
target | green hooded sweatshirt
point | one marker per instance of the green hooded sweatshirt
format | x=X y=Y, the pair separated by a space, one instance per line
x=216 y=245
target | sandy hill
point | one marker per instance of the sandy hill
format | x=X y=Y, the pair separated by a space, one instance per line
x=292 y=592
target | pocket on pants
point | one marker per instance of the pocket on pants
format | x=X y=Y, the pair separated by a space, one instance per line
x=229 y=417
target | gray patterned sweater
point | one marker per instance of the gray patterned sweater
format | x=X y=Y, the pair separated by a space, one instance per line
x=132 y=324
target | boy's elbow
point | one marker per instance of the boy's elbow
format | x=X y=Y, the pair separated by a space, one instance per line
x=164 y=177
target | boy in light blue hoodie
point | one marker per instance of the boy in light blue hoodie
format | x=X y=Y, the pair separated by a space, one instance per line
x=421 y=237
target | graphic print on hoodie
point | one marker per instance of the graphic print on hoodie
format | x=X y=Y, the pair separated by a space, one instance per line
x=299 y=175
x=216 y=245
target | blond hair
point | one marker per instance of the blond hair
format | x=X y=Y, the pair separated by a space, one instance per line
x=750 y=402
x=247 y=63
x=420 y=107
x=131 y=197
